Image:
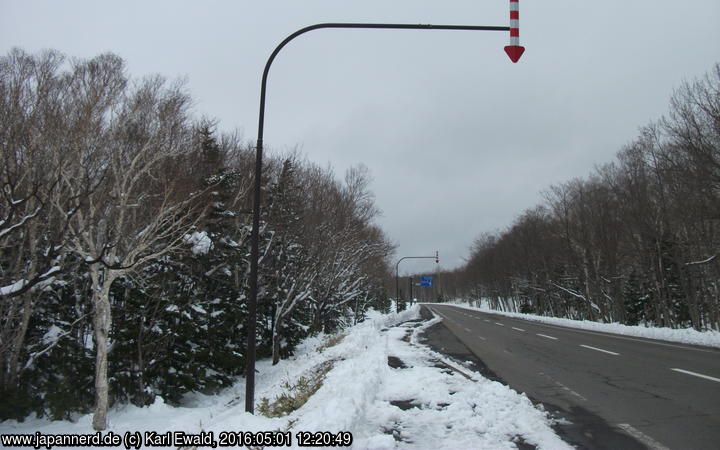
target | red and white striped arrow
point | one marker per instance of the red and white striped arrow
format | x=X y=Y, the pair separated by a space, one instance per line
x=514 y=50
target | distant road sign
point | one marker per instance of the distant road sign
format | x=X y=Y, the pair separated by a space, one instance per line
x=426 y=281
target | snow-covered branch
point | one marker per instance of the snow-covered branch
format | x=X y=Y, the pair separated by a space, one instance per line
x=704 y=261
x=578 y=295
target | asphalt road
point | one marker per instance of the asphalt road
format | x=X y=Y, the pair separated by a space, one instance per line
x=664 y=395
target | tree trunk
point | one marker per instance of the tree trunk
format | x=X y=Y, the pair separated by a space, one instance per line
x=102 y=322
x=317 y=318
x=19 y=341
x=276 y=341
x=588 y=298
x=27 y=309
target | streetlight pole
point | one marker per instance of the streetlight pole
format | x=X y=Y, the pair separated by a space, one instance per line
x=397 y=275
x=254 y=236
x=410 y=296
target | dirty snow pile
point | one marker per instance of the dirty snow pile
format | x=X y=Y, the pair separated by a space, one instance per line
x=708 y=338
x=423 y=401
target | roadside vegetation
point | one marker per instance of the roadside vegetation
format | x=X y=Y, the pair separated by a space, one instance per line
x=635 y=242
x=297 y=393
x=124 y=250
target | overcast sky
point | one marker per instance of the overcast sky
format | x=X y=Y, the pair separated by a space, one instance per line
x=459 y=140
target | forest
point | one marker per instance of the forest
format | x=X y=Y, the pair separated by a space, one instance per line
x=634 y=242
x=124 y=242
x=125 y=223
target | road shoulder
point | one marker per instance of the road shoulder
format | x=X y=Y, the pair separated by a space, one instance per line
x=575 y=425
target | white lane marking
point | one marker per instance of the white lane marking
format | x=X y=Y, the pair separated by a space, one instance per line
x=498 y=323
x=482 y=338
x=707 y=377
x=570 y=391
x=600 y=350
x=519 y=329
x=653 y=341
x=468 y=330
x=546 y=336
x=642 y=437
x=615 y=336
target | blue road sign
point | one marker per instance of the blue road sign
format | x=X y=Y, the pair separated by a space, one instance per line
x=426 y=281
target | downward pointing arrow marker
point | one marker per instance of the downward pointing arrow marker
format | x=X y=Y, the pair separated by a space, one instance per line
x=514 y=50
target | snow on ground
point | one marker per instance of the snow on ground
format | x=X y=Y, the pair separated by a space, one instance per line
x=443 y=408
x=709 y=338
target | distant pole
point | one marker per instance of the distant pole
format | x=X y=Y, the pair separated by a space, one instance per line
x=254 y=235
x=411 y=296
x=397 y=276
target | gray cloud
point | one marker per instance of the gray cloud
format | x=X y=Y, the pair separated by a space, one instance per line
x=459 y=140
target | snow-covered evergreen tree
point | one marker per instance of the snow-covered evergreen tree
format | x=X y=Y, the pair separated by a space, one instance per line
x=289 y=272
x=124 y=258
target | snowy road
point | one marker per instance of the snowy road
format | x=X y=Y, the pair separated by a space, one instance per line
x=379 y=383
x=665 y=395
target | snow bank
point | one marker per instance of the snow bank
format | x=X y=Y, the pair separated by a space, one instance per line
x=449 y=410
x=691 y=336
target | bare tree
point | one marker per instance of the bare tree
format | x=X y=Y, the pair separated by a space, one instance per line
x=127 y=145
x=636 y=240
x=33 y=134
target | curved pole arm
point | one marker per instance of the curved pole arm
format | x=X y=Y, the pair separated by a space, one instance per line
x=397 y=276
x=411 y=257
x=387 y=26
x=254 y=235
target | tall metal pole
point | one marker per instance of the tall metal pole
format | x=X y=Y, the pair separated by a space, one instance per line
x=254 y=236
